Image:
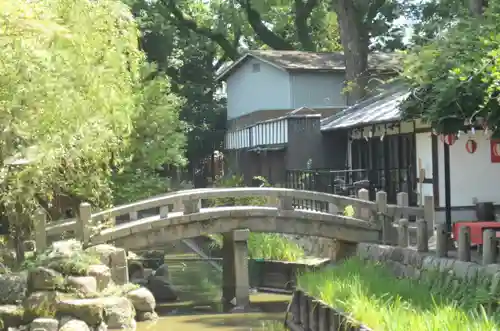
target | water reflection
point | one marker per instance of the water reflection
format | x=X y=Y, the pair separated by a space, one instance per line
x=268 y=314
x=199 y=307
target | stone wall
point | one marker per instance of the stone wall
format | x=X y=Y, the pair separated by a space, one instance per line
x=407 y=262
x=315 y=246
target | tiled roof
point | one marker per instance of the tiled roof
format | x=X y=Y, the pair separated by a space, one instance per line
x=382 y=108
x=312 y=61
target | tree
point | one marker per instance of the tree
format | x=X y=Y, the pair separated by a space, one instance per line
x=454 y=79
x=72 y=101
x=361 y=21
x=190 y=61
x=157 y=139
x=313 y=27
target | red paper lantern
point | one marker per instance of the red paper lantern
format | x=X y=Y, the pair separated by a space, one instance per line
x=449 y=139
x=471 y=146
x=495 y=150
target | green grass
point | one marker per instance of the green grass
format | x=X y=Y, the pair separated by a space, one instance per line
x=372 y=296
x=268 y=246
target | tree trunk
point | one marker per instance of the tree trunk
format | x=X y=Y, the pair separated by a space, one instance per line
x=354 y=39
x=476 y=7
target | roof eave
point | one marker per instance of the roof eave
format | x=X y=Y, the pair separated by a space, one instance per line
x=360 y=125
x=229 y=70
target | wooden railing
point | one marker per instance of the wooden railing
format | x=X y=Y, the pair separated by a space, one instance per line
x=189 y=201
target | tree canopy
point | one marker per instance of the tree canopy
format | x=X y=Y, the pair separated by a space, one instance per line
x=75 y=99
x=454 y=78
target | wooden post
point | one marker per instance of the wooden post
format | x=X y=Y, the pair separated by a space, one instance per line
x=304 y=310
x=286 y=203
x=464 y=244
x=295 y=307
x=363 y=213
x=313 y=314
x=402 y=201
x=403 y=236
x=429 y=212
x=441 y=240
x=84 y=223
x=335 y=320
x=384 y=221
x=323 y=318
x=40 y=225
x=422 y=236
x=489 y=247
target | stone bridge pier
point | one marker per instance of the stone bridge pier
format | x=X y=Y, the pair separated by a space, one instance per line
x=235 y=282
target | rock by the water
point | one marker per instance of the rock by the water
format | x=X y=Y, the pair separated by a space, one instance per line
x=73 y=325
x=104 y=252
x=142 y=299
x=13 y=288
x=143 y=316
x=82 y=284
x=44 y=279
x=162 y=271
x=45 y=324
x=162 y=290
x=11 y=315
x=101 y=327
x=91 y=311
x=118 y=313
x=102 y=275
x=41 y=304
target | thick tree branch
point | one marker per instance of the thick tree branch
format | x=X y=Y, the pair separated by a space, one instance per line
x=476 y=7
x=228 y=48
x=302 y=13
x=266 y=35
x=236 y=43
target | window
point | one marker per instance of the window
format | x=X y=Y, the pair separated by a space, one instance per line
x=256 y=67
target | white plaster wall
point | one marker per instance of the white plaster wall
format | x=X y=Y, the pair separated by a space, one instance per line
x=472 y=175
x=423 y=145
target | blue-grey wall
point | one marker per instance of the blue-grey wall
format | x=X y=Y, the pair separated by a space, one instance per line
x=317 y=90
x=249 y=91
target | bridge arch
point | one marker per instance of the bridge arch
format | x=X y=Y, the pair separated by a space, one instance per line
x=155 y=232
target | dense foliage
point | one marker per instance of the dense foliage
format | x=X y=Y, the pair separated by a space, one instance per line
x=454 y=78
x=77 y=104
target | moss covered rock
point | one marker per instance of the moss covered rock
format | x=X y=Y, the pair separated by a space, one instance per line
x=91 y=311
x=11 y=316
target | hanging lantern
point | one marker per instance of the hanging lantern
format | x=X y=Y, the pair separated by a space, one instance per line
x=471 y=146
x=495 y=150
x=449 y=139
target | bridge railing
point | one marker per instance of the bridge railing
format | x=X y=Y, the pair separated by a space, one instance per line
x=190 y=201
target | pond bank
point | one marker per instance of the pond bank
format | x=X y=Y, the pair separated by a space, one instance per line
x=369 y=292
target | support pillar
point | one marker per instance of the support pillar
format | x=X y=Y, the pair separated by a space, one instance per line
x=235 y=280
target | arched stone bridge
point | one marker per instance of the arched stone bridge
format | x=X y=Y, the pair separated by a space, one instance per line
x=181 y=217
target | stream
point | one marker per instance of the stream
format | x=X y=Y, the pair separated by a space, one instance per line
x=198 y=307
